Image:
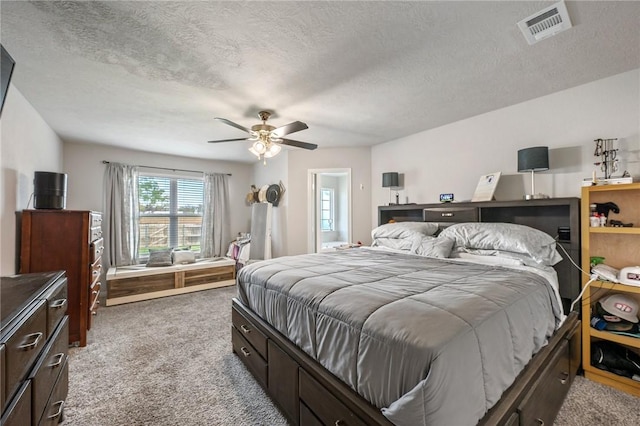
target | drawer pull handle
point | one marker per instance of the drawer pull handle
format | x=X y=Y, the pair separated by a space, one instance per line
x=58 y=361
x=58 y=304
x=447 y=214
x=540 y=422
x=244 y=351
x=94 y=313
x=36 y=339
x=245 y=329
x=563 y=379
x=339 y=422
x=58 y=413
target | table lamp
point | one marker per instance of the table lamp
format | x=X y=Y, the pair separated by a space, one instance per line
x=390 y=180
x=535 y=159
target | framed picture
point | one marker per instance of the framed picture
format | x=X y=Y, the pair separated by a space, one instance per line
x=486 y=187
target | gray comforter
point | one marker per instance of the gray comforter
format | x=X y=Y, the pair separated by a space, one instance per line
x=428 y=341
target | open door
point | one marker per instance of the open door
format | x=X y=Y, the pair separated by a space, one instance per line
x=330 y=209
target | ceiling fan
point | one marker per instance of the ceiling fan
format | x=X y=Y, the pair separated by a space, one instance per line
x=267 y=138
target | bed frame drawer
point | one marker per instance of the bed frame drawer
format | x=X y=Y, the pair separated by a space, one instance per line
x=555 y=380
x=250 y=357
x=326 y=407
x=254 y=336
x=450 y=214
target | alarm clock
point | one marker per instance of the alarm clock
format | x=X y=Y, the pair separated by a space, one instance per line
x=630 y=276
x=446 y=198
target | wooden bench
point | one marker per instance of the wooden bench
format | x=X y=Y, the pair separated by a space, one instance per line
x=134 y=283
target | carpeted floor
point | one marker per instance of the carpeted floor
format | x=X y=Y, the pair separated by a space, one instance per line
x=169 y=362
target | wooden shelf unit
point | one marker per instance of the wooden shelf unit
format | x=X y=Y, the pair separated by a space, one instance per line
x=620 y=246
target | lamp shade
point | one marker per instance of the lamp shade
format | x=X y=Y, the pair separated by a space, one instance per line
x=389 y=179
x=535 y=159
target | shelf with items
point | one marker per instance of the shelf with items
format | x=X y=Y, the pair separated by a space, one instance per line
x=619 y=247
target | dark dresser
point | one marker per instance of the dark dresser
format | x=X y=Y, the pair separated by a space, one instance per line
x=33 y=348
x=69 y=240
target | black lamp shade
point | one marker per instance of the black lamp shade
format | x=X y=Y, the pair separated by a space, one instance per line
x=389 y=179
x=533 y=159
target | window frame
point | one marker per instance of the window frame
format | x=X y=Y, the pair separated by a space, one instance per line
x=331 y=210
x=173 y=215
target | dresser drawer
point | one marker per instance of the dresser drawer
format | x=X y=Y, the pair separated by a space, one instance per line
x=95 y=233
x=56 y=305
x=326 y=407
x=23 y=345
x=53 y=412
x=249 y=332
x=97 y=247
x=252 y=359
x=47 y=370
x=94 y=294
x=555 y=380
x=450 y=214
x=18 y=412
x=95 y=219
x=96 y=271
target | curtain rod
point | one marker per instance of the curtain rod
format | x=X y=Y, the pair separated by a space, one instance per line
x=166 y=168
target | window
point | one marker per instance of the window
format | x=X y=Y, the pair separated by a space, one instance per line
x=326 y=209
x=170 y=212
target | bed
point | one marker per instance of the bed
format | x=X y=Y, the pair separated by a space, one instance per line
x=408 y=335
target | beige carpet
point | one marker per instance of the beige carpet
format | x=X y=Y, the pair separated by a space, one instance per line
x=169 y=362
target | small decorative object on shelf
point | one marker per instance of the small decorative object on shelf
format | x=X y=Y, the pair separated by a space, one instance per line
x=608 y=156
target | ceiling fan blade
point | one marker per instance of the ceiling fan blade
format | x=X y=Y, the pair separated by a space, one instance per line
x=296 y=126
x=299 y=144
x=229 y=140
x=231 y=123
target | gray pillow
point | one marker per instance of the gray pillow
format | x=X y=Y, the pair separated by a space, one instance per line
x=435 y=247
x=159 y=257
x=505 y=237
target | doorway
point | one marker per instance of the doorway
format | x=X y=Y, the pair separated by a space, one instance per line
x=330 y=209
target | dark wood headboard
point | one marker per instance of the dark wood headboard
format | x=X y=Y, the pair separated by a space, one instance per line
x=558 y=217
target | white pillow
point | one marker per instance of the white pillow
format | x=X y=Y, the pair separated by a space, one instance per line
x=180 y=257
x=404 y=230
x=487 y=260
x=393 y=243
x=505 y=237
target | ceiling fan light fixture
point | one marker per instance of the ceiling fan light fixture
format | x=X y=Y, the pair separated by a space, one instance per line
x=259 y=147
x=273 y=150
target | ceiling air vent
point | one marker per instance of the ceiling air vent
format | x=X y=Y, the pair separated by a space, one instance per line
x=546 y=23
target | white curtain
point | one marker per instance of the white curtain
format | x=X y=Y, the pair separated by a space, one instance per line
x=121 y=214
x=215 y=218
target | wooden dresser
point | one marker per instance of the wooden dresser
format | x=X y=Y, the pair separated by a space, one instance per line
x=33 y=347
x=69 y=240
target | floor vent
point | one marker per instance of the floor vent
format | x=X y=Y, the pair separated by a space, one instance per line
x=546 y=23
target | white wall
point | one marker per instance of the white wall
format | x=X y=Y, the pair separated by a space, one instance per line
x=85 y=182
x=28 y=145
x=274 y=172
x=452 y=158
x=300 y=161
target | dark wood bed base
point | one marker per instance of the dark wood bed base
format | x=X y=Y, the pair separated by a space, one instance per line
x=309 y=395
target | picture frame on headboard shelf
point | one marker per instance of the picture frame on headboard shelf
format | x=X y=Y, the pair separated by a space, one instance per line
x=486 y=187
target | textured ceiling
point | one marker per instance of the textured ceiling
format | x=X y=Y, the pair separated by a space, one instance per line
x=152 y=75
